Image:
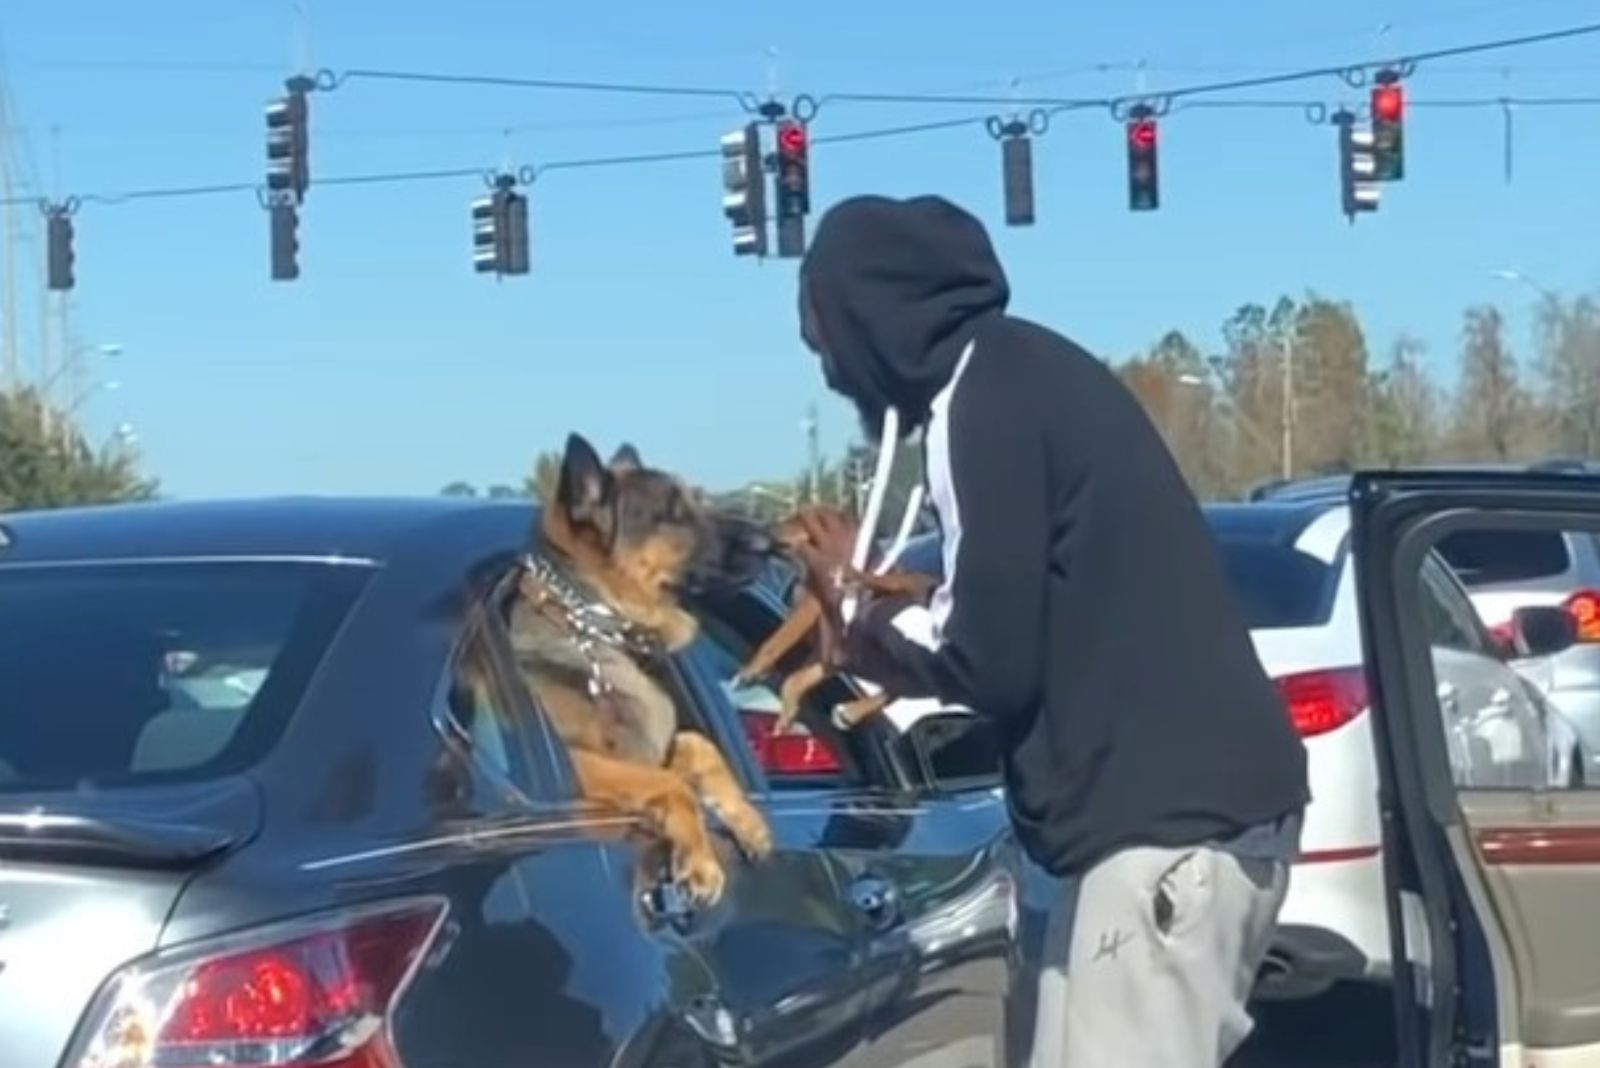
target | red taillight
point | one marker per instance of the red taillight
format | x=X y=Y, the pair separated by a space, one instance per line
x=797 y=752
x=1584 y=607
x=315 y=992
x=1322 y=701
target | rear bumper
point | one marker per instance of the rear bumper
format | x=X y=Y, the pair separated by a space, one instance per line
x=1333 y=926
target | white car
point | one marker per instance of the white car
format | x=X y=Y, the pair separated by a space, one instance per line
x=1288 y=565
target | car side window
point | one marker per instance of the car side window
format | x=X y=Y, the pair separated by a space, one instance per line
x=480 y=715
x=1451 y=621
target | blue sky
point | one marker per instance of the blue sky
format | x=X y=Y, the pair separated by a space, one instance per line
x=391 y=367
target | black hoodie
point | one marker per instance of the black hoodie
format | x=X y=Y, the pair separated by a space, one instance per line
x=1084 y=604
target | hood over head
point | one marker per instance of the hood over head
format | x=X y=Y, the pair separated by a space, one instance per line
x=890 y=291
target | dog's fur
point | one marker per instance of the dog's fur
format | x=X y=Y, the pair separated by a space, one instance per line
x=809 y=618
x=630 y=538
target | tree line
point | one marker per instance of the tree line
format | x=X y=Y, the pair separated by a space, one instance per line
x=1297 y=389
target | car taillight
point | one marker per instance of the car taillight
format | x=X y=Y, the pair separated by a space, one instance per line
x=307 y=993
x=1584 y=607
x=796 y=752
x=1321 y=701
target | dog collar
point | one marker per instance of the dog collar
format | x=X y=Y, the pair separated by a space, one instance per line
x=591 y=621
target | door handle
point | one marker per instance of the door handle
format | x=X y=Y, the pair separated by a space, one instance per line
x=874 y=898
x=666 y=904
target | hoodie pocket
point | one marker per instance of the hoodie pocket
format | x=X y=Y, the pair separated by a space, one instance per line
x=1182 y=894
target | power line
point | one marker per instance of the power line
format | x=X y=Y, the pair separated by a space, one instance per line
x=751 y=102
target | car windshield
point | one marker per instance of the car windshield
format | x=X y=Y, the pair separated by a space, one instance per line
x=1278 y=585
x=1489 y=557
x=125 y=673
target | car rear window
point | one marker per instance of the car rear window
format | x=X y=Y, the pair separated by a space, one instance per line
x=123 y=673
x=1277 y=585
x=1490 y=557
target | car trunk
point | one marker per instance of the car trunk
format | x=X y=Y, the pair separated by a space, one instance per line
x=86 y=884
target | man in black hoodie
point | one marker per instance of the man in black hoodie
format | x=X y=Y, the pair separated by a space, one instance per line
x=1148 y=759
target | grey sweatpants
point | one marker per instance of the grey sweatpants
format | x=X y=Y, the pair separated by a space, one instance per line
x=1151 y=962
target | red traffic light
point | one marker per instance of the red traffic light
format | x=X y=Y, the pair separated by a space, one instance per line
x=1142 y=134
x=792 y=138
x=1388 y=103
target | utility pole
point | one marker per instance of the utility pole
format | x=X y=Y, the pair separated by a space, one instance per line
x=813 y=455
x=1288 y=403
x=11 y=365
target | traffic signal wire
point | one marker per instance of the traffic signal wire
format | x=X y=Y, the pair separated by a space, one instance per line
x=1353 y=73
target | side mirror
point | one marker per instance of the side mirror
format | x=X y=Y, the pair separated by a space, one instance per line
x=956 y=749
x=1540 y=630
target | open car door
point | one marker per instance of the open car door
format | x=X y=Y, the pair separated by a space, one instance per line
x=1492 y=865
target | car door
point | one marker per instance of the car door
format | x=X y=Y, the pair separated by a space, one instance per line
x=769 y=974
x=929 y=864
x=1491 y=886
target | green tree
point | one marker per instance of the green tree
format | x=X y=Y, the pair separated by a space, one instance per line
x=1569 y=374
x=546 y=475
x=459 y=489
x=1401 y=425
x=45 y=461
x=1493 y=410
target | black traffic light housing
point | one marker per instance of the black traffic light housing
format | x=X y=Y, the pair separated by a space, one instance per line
x=1144 y=179
x=58 y=247
x=500 y=230
x=289 y=140
x=1359 y=191
x=744 y=196
x=793 y=186
x=1016 y=169
x=1388 y=126
x=284 y=226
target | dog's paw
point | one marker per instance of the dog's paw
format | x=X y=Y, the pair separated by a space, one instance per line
x=700 y=874
x=751 y=831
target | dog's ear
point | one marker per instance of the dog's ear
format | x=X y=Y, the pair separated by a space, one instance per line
x=585 y=489
x=626 y=458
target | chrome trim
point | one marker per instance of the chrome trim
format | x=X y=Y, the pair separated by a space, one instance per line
x=331 y=560
x=465 y=837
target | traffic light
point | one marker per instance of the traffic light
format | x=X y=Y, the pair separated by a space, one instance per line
x=289 y=141
x=58 y=248
x=285 y=228
x=1144 y=191
x=1359 y=190
x=744 y=197
x=1388 y=127
x=793 y=186
x=1016 y=173
x=500 y=230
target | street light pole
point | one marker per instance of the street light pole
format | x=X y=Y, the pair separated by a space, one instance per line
x=1287 y=416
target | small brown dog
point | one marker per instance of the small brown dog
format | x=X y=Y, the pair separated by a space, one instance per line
x=597 y=613
x=811 y=618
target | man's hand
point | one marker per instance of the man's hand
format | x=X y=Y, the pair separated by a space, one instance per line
x=829 y=538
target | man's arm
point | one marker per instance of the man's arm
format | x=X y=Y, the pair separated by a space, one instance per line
x=990 y=657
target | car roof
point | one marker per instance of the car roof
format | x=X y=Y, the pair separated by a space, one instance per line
x=1272 y=521
x=358 y=528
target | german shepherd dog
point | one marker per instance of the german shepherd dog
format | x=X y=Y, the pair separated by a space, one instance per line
x=812 y=618
x=596 y=614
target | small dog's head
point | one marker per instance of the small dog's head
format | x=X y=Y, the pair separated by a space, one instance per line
x=650 y=527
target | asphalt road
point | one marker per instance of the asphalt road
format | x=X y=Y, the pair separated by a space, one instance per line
x=1348 y=1028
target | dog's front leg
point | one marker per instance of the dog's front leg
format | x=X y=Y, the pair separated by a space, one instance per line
x=665 y=799
x=700 y=762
